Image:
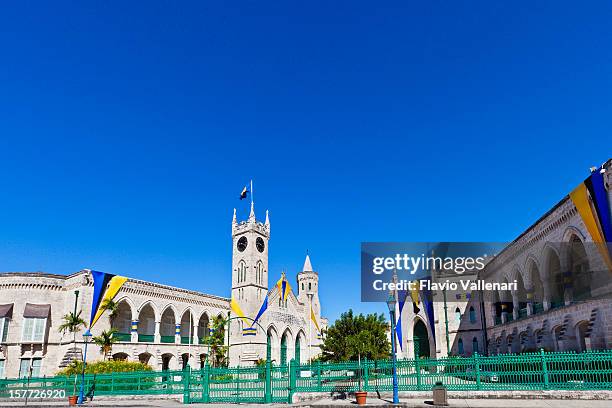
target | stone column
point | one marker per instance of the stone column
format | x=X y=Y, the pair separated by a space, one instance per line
x=157 y=334
x=515 y=306
x=134 y=331
x=177 y=333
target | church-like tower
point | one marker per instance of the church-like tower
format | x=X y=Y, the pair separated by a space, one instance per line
x=308 y=294
x=249 y=280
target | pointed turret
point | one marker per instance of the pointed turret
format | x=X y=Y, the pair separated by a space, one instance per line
x=234 y=222
x=252 y=214
x=307 y=265
x=267 y=223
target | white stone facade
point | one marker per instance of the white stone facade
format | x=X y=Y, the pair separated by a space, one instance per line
x=156 y=322
x=575 y=318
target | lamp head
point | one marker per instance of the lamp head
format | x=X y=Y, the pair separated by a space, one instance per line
x=391 y=302
x=87 y=334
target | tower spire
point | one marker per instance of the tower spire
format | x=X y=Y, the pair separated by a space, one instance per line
x=252 y=214
x=307 y=265
x=234 y=217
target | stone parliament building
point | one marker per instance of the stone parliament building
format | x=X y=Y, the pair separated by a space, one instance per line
x=163 y=326
x=560 y=316
x=166 y=326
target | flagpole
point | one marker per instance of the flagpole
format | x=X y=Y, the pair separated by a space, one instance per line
x=252 y=192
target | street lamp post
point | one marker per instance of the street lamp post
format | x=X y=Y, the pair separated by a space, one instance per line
x=391 y=302
x=86 y=337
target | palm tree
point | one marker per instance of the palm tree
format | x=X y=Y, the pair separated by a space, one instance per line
x=72 y=324
x=112 y=307
x=106 y=340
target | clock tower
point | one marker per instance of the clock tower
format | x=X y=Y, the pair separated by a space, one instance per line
x=249 y=282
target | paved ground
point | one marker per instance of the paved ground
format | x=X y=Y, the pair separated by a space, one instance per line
x=407 y=403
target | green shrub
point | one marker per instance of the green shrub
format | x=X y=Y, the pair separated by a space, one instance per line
x=103 y=367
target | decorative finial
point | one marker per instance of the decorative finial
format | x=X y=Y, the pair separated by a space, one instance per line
x=252 y=214
x=267 y=219
x=234 y=218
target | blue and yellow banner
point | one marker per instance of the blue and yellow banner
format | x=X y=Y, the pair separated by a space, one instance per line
x=283 y=287
x=106 y=287
x=591 y=201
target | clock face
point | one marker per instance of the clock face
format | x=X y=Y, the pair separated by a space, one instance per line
x=260 y=244
x=242 y=244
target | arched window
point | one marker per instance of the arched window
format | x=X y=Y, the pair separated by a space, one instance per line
x=474 y=345
x=309 y=286
x=259 y=272
x=460 y=347
x=458 y=315
x=241 y=271
x=472 y=315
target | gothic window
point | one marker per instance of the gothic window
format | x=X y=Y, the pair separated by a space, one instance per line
x=309 y=286
x=472 y=315
x=458 y=315
x=474 y=345
x=460 y=347
x=259 y=272
x=241 y=271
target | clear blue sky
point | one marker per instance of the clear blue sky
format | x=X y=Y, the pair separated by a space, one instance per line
x=128 y=130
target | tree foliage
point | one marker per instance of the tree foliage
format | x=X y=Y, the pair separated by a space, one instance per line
x=353 y=336
x=102 y=367
x=216 y=341
x=112 y=307
x=106 y=340
x=71 y=323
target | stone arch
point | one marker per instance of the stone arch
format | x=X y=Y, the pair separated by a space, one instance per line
x=421 y=338
x=553 y=277
x=147 y=316
x=169 y=362
x=272 y=335
x=286 y=346
x=121 y=356
x=521 y=296
x=300 y=349
x=167 y=326
x=203 y=328
x=578 y=262
x=153 y=307
x=187 y=326
x=130 y=303
x=536 y=287
x=581 y=329
x=147 y=358
x=187 y=359
x=573 y=231
x=123 y=320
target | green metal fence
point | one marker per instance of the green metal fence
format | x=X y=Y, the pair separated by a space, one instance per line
x=532 y=371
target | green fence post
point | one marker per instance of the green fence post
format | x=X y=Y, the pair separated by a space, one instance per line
x=319 y=387
x=292 y=373
x=186 y=381
x=544 y=369
x=206 y=384
x=365 y=374
x=418 y=372
x=112 y=387
x=268 y=393
x=477 y=369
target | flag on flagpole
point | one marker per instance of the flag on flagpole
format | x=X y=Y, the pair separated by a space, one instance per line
x=106 y=287
x=262 y=309
x=283 y=287
x=244 y=193
x=314 y=320
x=236 y=309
